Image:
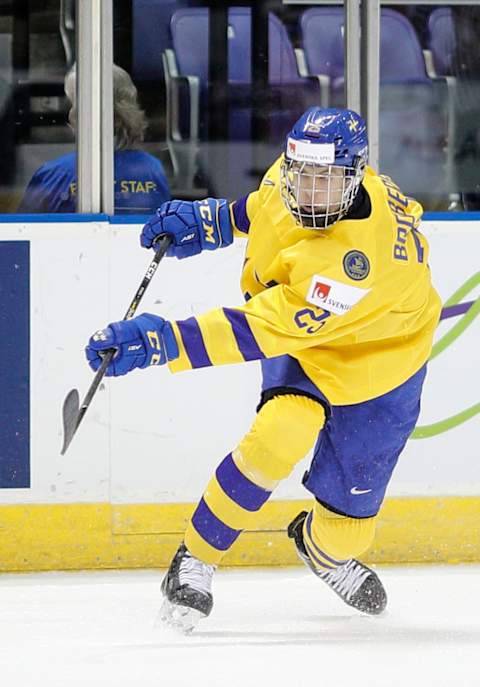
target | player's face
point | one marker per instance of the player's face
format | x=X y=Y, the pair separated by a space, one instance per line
x=317 y=196
x=319 y=188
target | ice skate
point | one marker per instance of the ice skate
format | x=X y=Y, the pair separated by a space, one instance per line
x=353 y=581
x=187 y=591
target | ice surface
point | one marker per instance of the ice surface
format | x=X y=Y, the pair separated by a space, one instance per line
x=268 y=628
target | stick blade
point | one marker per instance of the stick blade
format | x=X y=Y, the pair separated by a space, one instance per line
x=70 y=413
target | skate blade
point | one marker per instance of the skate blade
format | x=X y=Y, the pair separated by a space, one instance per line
x=179 y=618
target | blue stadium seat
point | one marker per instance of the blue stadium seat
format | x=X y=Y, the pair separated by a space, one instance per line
x=401 y=57
x=441 y=39
x=150 y=37
x=189 y=31
x=413 y=119
x=190 y=40
x=186 y=76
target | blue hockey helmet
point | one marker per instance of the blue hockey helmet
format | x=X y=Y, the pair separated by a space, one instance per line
x=323 y=165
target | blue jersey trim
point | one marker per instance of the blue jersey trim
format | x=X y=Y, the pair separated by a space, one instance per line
x=193 y=341
x=245 y=338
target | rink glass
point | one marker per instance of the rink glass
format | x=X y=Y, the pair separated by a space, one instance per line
x=220 y=88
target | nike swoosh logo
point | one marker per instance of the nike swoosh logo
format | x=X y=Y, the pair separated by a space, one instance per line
x=354 y=490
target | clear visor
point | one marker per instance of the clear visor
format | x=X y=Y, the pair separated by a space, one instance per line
x=318 y=195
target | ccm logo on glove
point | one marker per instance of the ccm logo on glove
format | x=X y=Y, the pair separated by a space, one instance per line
x=154 y=341
x=206 y=215
x=140 y=342
x=192 y=226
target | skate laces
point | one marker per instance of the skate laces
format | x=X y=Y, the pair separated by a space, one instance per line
x=347 y=578
x=196 y=574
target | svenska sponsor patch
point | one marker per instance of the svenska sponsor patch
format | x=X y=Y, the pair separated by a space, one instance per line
x=316 y=153
x=334 y=296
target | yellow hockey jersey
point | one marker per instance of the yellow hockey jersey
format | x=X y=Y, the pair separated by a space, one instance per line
x=353 y=303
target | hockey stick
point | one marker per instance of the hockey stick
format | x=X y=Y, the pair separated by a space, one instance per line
x=72 y=411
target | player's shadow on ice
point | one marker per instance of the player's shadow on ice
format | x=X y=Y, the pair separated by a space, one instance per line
x=327 y=634
x=326 y=630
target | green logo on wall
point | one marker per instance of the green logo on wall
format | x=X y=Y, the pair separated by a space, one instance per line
x=469 y=311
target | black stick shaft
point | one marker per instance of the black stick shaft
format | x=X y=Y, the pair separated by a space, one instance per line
x=163 y=244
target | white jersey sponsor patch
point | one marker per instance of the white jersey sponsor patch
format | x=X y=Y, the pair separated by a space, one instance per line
x=334 y=296
x=317 y=153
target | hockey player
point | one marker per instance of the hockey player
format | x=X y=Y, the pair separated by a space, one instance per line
x=340 y=310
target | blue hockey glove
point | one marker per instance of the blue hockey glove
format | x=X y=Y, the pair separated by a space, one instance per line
x=193 y=226
x=140 y=342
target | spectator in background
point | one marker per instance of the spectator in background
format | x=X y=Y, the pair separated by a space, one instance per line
x=140 y=182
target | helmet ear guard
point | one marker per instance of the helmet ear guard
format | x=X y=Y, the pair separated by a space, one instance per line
x=323 y=166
